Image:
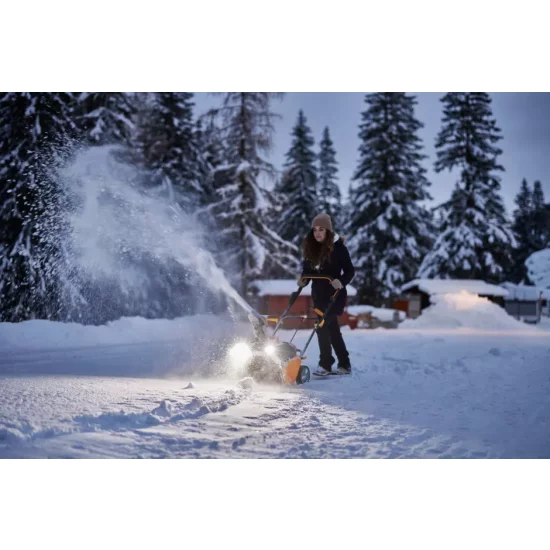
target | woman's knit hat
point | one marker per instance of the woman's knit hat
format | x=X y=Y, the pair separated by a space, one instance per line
x=323 y=220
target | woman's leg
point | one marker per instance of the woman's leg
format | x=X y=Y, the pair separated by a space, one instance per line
x=326 y=360
x=337 y=341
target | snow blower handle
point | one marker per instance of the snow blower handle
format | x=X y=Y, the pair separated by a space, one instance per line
x=291 y=302
x=294 y=296
x=329 y=279
x=321 y=315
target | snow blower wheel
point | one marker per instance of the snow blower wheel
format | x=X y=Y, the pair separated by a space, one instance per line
x=304 y=375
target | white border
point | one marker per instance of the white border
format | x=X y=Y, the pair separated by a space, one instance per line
x=295 y=45
x=274 y=504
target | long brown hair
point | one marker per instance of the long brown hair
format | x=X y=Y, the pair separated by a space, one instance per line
x=317 y=253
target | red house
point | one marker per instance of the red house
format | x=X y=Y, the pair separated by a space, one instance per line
x=272 y=297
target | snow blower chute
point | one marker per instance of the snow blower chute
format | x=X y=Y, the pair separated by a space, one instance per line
x=267 y=358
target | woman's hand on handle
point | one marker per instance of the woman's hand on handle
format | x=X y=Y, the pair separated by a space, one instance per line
x=336 y=284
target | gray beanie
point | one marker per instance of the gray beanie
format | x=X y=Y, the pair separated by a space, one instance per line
x=323 y=220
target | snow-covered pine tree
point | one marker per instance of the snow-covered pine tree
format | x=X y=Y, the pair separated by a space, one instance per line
x=439 y=220
x=297 y=189
x=248 y=247
x=476 y=241
x=522 y=228
x=166 y=147
x=390 y=230
x=35 y=131
x=328 y=191
x=105 y=118
x=211 y=153
x=539 y=224
x=546 y=222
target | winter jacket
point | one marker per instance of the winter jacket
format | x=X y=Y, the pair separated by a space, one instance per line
x=338 y=266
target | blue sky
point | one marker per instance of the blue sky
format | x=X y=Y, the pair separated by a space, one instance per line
x=522 y=117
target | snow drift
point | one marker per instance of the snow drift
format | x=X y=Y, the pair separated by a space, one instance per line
x=463 y=310
x=194 y=329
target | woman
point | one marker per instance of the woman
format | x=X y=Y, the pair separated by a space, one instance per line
x=325 y=254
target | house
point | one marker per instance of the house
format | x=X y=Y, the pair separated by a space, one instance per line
x=415 y=295
x=526 y=303
x=272 y=297
x=365 y=316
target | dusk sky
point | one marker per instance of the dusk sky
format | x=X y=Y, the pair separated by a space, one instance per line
x=524 y=119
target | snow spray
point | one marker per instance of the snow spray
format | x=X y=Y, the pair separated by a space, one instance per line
x=113 y=215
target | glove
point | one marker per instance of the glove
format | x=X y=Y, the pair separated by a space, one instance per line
x=336 y=284
x=302 y=282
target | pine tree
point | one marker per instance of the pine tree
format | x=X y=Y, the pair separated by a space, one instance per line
x=211 y=153
x=297 y=190
x=35 y=133
x=330 y=198
x=390 y=229
x=539 y=219
x=167 y=148
x=476 y=241
x=439 y=220
x=248 y=247
x=106 y=117
x=522 y=228
x=531 y=229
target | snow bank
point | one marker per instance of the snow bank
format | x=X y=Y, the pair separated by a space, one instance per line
x=465 y=310
x=128 y=330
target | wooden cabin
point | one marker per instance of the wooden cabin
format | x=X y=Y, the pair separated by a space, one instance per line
x=526 y=303
x=415 y=295
x=272 y=298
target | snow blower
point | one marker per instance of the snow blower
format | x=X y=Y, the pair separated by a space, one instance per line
x=266 y=358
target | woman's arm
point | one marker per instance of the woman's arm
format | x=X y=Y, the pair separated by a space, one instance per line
x=306 y=269
x=347 y=266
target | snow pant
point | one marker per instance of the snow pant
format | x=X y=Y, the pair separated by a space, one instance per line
x=330 y=336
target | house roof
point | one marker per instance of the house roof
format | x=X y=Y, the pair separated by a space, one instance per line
x=525 y=293
x=285 y=287
x=451 y=286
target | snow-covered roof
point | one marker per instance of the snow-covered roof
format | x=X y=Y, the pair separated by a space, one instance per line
x=451 y=286
x=525 y=293
x=285 y=287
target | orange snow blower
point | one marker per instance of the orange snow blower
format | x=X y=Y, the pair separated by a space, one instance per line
x=269 y=359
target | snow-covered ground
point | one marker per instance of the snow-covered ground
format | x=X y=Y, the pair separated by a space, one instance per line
x=418 y=391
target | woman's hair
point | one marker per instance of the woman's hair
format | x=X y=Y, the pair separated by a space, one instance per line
x=317 y=253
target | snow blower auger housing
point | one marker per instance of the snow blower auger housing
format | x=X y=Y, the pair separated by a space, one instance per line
x=269 y=359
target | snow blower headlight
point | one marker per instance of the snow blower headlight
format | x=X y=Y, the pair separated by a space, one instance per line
x=270 y=350
x=240 y=351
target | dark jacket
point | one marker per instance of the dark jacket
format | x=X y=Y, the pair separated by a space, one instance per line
x=338 y=266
